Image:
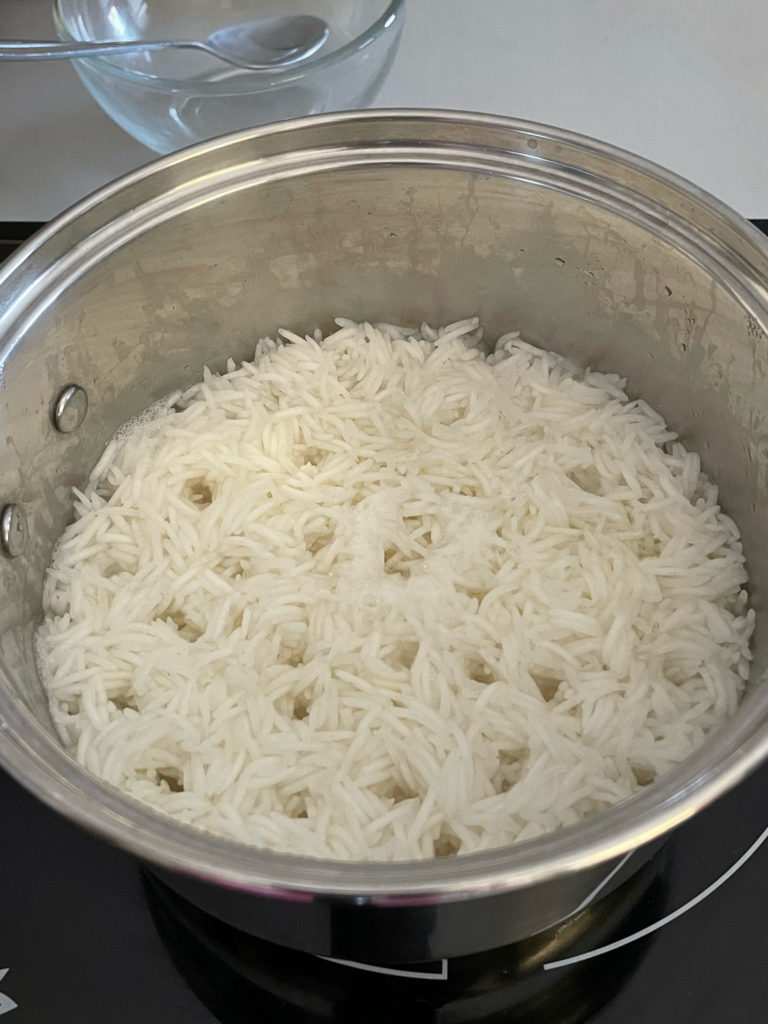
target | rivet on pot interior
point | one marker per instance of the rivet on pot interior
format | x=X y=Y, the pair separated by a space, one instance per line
x=70 y=408
x=13 y=530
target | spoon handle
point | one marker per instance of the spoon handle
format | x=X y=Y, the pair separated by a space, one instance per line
x=12 y=50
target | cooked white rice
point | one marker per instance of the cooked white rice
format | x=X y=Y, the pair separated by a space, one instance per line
x=380 y=597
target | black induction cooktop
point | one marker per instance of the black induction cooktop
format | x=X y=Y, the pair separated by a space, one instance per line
x=88 y=936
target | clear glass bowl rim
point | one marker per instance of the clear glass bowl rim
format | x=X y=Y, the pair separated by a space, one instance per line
x=386 y=20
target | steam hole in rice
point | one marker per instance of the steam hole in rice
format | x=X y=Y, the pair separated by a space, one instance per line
x=119 y=701
x=643 y=776
x=172 y=779
x=395 y=563
x=297 y=805
x=291 y=654
x=313 y=457
x=511 y=763
x=186 y=628
x=199 y=492
x=406 y=653
x=547 y=686
x=479 y=671
x=446 y=844
x=317 y=541
x=300 y=708
x=401 y=792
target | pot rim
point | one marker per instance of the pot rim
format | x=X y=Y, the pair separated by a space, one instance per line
x=34 y=758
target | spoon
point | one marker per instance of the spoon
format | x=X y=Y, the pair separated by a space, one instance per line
x=256 y=45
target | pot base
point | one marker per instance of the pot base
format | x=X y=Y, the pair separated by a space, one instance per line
x=239 y=977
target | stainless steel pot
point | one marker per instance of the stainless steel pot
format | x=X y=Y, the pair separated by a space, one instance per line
x=404 y=216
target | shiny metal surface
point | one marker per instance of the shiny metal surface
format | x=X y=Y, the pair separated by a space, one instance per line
x=13 y=531
x=70 y=409
x=268 y=44
x=403 y=216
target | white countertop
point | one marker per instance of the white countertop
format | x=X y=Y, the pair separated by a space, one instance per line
x=683 y=82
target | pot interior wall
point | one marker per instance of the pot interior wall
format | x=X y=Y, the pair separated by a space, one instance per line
x=404 y=244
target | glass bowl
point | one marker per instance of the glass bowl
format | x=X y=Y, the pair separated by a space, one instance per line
x=173 y=98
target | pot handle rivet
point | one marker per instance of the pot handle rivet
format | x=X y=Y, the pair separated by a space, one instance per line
x=70 y=408
x=13 y=530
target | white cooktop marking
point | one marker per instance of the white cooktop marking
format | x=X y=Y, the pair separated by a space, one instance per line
x=670 y=917
x=6 y=1003
x=442 y=975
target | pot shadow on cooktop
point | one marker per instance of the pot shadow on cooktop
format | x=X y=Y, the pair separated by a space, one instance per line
x=244 y=980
